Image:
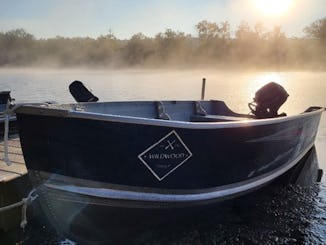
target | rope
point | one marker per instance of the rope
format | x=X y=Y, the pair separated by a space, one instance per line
x=24 y=203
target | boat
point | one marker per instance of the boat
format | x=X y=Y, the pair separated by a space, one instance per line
x=90 y=160
x=5 y=103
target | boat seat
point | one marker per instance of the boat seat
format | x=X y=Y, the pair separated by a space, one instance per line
x=215 y=118
x=161 y=113
x=199 y=110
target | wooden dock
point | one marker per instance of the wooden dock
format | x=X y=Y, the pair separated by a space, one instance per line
x=17 y=167
x=14 y=183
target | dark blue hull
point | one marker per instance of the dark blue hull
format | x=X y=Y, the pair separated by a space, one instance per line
x=88 y=166
x=115 y=153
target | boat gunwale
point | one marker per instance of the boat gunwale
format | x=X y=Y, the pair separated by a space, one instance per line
x=45 y=110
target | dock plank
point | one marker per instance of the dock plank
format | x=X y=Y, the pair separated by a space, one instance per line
x=8 y=176
x=17 y=158
x=13 y=168
x=12 y=150
x=17 y=167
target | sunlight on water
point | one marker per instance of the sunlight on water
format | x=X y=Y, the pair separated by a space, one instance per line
x=259 y=80
x=236 y=88
x=262 y=79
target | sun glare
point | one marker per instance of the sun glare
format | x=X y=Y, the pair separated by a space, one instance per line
x=262 y=79
x=273 y=7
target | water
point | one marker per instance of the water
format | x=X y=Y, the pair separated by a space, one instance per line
x=299 y=219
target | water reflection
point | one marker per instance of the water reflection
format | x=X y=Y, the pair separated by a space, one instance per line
x=287 y=217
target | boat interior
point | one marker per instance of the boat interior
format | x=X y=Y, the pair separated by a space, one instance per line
x=189 y=111
x=265 y=104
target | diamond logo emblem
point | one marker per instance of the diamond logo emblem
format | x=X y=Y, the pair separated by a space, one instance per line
x=165 y=156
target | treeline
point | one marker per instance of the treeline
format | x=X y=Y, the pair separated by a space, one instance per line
x=214 y=45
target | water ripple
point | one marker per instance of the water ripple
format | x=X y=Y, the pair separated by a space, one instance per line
x=293 y=215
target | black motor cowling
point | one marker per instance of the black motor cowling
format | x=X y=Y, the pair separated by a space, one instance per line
x=268 y=100
x=80 y=93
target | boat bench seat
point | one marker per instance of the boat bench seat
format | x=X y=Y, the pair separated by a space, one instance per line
x=215 y=118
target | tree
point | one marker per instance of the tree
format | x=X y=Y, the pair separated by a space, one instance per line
x=277 y=48
x=16 y=47
x=245 y=43
x=244 y=31
x=207 y=30
x=260 y=31
x=317 y=29
x=213 y=40
x=171 y=44
x=276 y=34
x=138 y=49
x=224 y=31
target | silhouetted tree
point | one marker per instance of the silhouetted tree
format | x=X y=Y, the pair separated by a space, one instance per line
x=207 y=30
x=171 y=45
x=260 y=31
x=224 y=30
x=17 y=47
x=316 y=49
x=277 y=48
x=317 y=29
x=245 y=43
x=252 y=46
x=213 y=40
x=138 y=49
x=106 y=49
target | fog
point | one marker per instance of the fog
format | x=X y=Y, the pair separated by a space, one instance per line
x=216 y=45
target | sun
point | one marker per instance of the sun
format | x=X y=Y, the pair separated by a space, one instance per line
x=273 y=7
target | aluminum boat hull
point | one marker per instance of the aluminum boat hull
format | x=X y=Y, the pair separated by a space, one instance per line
x=104 y=163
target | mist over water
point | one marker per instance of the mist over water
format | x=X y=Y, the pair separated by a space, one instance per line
x=293 y=216
x=235 y=87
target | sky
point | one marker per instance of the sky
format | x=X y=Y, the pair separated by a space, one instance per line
x=92 y=18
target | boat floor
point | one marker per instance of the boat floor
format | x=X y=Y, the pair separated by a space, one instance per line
x=17 y=167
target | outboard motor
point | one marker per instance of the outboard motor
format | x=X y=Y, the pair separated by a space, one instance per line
x=268 y=100
x=81 y=93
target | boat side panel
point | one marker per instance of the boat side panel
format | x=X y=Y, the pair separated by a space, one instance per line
x=109 y=151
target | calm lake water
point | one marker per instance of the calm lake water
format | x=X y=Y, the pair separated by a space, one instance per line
x=236 y=88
